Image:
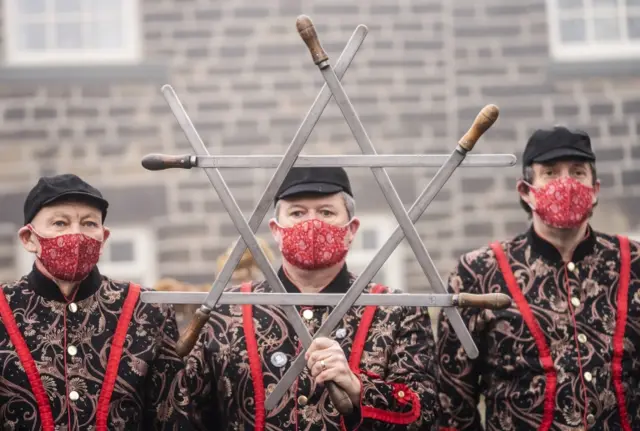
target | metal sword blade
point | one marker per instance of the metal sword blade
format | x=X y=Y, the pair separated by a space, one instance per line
x=355 y=161
x=407 y=228
x=309 y=299
x=300 y=138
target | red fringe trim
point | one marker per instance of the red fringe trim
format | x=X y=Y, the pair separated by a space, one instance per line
x=529 y=318
x=29 y=365
x=621 y=323
x=117 y=346
x=354 y=363
x=255 y=363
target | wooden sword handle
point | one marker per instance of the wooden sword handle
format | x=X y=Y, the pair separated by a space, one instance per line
x=339 y=398
x=190 y=336
x=310 y=37
x=159 y=162
x=489 y=301
x=485 y=119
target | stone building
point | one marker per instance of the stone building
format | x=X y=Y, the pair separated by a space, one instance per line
x=80 y=92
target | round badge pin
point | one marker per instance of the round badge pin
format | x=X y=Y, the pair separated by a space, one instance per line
x=279 y=359
x=341 y=333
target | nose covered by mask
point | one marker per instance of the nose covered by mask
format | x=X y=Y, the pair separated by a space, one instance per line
x=563 y=203
x=314 y=244
x=68 y=257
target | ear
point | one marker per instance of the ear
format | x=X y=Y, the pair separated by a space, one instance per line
x=596 y=191
x=524 y=190
x=106 y=233
x=273 y=227
x=353 y=228
x=28 y=239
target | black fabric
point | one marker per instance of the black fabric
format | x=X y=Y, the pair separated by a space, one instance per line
x=313 y=180
x=546 y=145
x=551 y=254
x=56 y=188
x=45 y=287
x=340 y=284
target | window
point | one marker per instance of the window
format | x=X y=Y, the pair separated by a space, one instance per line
x=594 y=29
x=128 y=255
x=373 y=233
x=45 y=32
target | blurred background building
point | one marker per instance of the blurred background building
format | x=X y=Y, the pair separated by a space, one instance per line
x=80 y=92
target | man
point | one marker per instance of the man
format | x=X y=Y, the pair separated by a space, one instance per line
x=564 y=356
x=382 y=357
x=80 y=351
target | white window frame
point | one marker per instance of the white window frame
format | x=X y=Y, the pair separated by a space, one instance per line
x=395 y=275
x=588 y=51
x=144 y=267
x=129 y=53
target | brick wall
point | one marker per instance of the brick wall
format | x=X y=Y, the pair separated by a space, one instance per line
x=245 y=77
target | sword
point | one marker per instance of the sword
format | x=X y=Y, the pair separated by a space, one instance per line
x=158 y=162
x=489 y=301
x=247 y=239
x=406 y=221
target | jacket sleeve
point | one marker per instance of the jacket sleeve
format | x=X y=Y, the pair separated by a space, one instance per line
x=406 y=397
x=167 y=400
x=458 y=375
x=202 y=383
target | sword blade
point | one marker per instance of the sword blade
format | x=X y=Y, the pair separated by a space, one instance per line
x=355 y=161
x=308 y=299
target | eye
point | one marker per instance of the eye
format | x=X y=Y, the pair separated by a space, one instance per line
x=59 y=223
x=295 y=214
x=326 y=213
x=90 y=224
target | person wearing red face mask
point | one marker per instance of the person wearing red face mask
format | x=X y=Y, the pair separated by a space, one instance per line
x=381 y=356
x=79 y=350
x=564 y=356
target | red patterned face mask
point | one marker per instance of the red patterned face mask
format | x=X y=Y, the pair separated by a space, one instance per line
x=563 y=203
x=69 y=257
x=314 y=244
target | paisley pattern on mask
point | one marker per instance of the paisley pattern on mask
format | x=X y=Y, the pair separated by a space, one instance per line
x=563 y=203
x=314 y=244
x=69 y=257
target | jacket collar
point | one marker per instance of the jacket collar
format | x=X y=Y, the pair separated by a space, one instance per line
x=545 y=249
x=48 y=289
x=340 y=284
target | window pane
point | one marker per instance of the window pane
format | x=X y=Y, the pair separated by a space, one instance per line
x=572 y=30
x=105 y=35
x=570 y=4
x=69 y=5
x=633 y=24
x=606 y=29
x=68 y=35
x=121 y=251
x=102 y=8
x=369 y=239
x=31 y=6
x=633 y=3
x=609 y=3
x=32 y=37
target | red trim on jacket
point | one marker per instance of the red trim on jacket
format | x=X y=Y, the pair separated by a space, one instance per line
x=111 y=373
x=543 y=349
x=354 y=363
x=255 y=363
x=29 y=365
x=621 y=324
x=117 y=346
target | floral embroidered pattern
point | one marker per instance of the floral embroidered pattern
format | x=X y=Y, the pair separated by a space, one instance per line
x=314 y=244
x=564 y=202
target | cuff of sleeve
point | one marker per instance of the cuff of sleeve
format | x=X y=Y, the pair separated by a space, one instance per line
x=402 y=404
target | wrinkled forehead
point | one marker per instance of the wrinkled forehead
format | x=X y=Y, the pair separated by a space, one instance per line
x=71 y=208
x=313 y=201
x=562 y=163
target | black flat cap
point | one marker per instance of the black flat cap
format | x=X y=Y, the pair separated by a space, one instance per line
x=314 y=180
x=51 y=189
x=546 y=145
